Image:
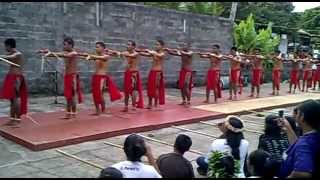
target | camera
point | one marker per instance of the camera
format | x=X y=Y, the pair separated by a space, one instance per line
x=280 y=113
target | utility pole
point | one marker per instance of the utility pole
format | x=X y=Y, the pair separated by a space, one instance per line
x=233 y=11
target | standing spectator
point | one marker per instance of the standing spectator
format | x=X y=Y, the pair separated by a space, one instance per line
x=232 y=143
x=135 y=148
x=174 y=165
x=273 y=140
x=302 y=157
x=261 y=165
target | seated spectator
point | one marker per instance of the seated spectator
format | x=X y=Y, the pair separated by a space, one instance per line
x=273 y=140
x=261 y=165
x=110 y=172
x=301 y=159
x=232 y=143
x=174 y=165
x=135 y=148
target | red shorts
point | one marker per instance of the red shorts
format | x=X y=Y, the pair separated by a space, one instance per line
x=97 y=89
x=14 y=86
x=153 y=87
x=256 y=77
x=129 y=87
x=276 y=76
x=235 y=76
x=72 y=87
x=294 y=77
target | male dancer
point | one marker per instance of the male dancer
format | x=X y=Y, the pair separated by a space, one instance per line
x=100 y=80
x=71 y=77
x=257 y=68
x=307 y=71
x=276 y=72
x=132 y=81
x=235 y=61
x=14 y=85
x=156 y=86
x=213 y=74
x=185 y=76
x=316 y=75
x=294 y=74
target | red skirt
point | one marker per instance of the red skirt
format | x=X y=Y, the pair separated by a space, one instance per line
x=128 y=87
x=276 y=76
x=97 y=92
x=152 y=86
x=182 y=78
x=256 y=77
x=213 y=80
x=307 y=76
x=70 y=86
x=317 y=75
x=9 y=91
x=235 y=76
x=294 y=77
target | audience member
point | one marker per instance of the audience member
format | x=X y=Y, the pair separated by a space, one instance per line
x=135 y=148
x=233 y=143
x=110 y=172
x=301 y=159
x=261 y=165
x=224 y=168
x=174 y=165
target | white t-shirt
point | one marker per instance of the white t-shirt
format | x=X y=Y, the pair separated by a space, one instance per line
x=136 y=170
x=222 y=146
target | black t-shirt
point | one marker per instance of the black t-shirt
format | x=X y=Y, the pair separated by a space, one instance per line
x=276 y=146
x=174 y=165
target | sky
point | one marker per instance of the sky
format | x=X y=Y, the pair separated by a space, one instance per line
x=302 y=6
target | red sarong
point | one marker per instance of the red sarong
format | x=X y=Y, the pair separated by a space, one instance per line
x=114 y=92
x=9 y=91
x=235 y=76
x=256 y=77
x=213 y=81
x=317 y=78
x=307 y=76
x=129 y=88
x=276 y=77
x=70 y=86
x=152 y=86
x=294 y=77
x=182 y=79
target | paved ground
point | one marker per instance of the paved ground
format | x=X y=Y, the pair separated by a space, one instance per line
x=17 y=161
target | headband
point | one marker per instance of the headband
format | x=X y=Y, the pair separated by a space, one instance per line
x=230 y=127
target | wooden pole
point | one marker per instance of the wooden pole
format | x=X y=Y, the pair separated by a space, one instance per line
x=168 y=144
x=79 y=159
x=9 y=62
x=215 y=125
x=196 y=132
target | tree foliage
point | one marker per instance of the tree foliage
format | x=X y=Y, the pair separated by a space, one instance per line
x=214 y=168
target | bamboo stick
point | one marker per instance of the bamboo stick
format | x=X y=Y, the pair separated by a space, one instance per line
x=215 y=125
x=196 y=132
x=9 y=62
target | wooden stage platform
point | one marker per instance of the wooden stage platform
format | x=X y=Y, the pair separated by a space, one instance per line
x=50 y=130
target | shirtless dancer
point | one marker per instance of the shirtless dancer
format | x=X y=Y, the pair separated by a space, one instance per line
x=156 y=86
x=185 y=76
x=14 y=85
x=316 y=75
x=307 y=71
x=100 y=80
x=294 y=74
x=71 y=77
x=257 y=69
x=132 y=81
x=235 y=61
x=213 y=74
x=276 y=72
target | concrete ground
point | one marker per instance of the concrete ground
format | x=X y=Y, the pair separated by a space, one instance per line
x=17 y=161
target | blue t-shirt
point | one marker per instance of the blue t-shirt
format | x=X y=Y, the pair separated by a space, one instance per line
x=302 y=155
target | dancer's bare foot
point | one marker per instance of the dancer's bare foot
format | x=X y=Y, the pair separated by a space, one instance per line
x=68 y=116
x=251 y=95
x=188 y=104
x=206 y=101
x=183 y=103
x=235 y=97
x=230 y=98
x=273 y=93
x=126 y=109
x=257 y=96
x=149 y=107
x=289 y=92
x=95 y=114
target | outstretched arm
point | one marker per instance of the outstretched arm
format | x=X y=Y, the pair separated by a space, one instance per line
x=174 y=52
x=11 y=56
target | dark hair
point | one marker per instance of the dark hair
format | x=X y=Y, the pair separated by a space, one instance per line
x=134 y=147
x=294 y=126
x=110 y=172
x=132 y=42
x=227 y=163
x=257 y=49
x=310 y=110
x=102 y=44
x=217 y=46
x=161 y=42
x=233 y=138
x=234 y=48
x=182 y=143
x=277 y=51
x=69 y=40
x=271 y=126
x=10 y=42
x=262 y=164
